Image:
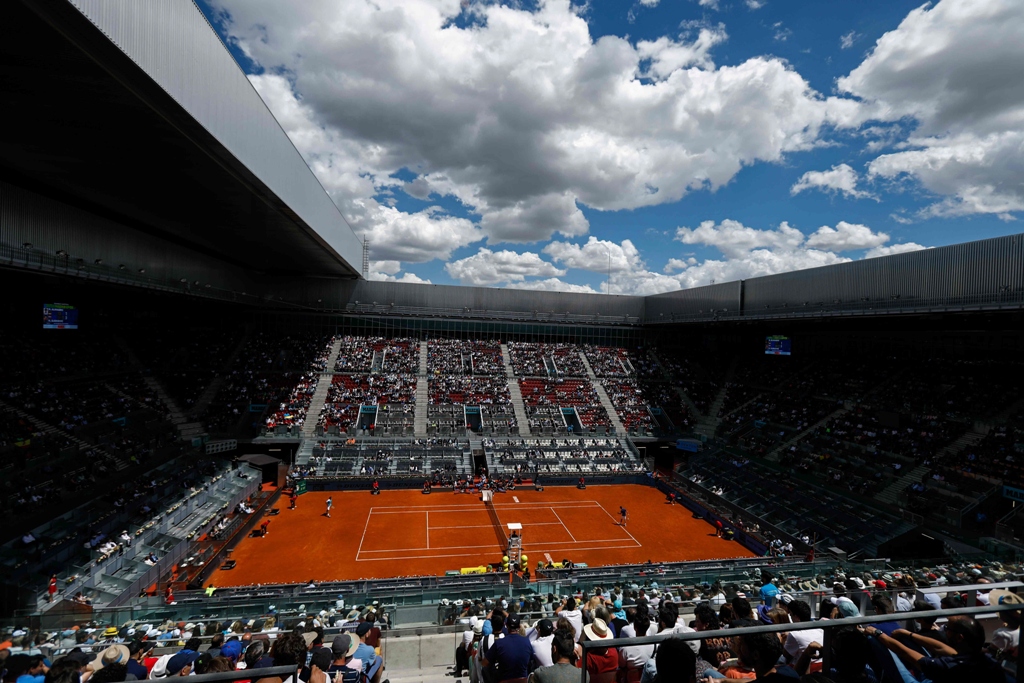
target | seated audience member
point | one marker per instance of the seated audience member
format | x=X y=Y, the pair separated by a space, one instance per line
x=961 y=660
x=714 y=652
x=562 y=669
x=744 y=614
x=675 y=662
x=797 y=641
x=288 y=650
x=600 y=660
x=139 y=651
x=761 y=652
x=637 y=656
x=883 y=605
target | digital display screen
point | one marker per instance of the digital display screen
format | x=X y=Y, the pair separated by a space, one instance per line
x=60 y=317
x=776 y=345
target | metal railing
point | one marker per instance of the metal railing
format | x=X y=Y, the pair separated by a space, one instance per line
x=827 y=626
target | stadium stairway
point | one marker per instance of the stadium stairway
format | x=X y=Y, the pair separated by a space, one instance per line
x=421 y=657
x=776 y=452
x=602 y=396
x=205 y=398
x=519 y=407
x=506 y=359
x=891 y=493
x=419 y=419
x=708 y=424
x=690 y=405
x=965 y=440
x=47 y=428
x=316 y=405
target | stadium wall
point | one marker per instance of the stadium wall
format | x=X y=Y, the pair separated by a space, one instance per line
x=34 y=228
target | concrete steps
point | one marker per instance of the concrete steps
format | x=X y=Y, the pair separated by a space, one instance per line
x=419 y=419
x=47 y=428
x=517 y=396
x=178 y=416
x=965 y=440
x=426 y=658
x=708 y=424
x=776 y=452
x=316 y=403
x=891 y=493
x=602 y=396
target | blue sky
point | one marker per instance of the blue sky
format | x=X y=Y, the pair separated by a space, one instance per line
x=673 y=142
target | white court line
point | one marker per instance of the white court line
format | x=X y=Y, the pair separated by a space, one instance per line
x=563 y=525
x=488 y=526
x=477 y=554
x=466 y=508
x=620 y=526
x=494 y=545
x=476 y=506
x=428 y=529
x=515 y=498
x=366 y=526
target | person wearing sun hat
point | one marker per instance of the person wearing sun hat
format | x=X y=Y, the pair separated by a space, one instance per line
x=603 y=659
x=114 y=654
x=1006 y=638
x=343 y=650
x=181 y=663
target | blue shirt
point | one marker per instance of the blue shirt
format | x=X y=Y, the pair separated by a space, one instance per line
x=512 y=655
x=366 y=655
x=769 y=591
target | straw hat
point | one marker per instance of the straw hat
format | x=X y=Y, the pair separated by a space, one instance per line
x=1001 y=596
x=598 y=630
x=115 y=654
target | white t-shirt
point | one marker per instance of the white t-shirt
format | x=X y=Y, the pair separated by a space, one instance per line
x=797 y=641
x=542 y=649
x=575 y=618
x=1005 y=638
x=636 y=656
x=683 y=628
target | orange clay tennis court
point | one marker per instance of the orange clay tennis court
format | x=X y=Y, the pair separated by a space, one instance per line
x=405 y=533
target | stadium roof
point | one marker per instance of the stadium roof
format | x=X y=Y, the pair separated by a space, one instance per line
x=137 y=112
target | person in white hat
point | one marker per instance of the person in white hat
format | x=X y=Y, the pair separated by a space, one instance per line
x=603 y=659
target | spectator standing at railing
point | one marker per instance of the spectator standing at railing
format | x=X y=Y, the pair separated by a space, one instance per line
x=510 y=655
x=567 y=609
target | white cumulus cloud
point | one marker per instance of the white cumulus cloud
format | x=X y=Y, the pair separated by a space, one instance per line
x=954 y=68
x=553 y=284
x=520 y=114
x=488 y=267
x=599 y=256
x=846 y=237
x=841 y=178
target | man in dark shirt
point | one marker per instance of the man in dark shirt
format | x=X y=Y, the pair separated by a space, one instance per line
x=761 y=652
x=744 y=614
x=961 y=660
x=139 y=650
x=511 y=654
